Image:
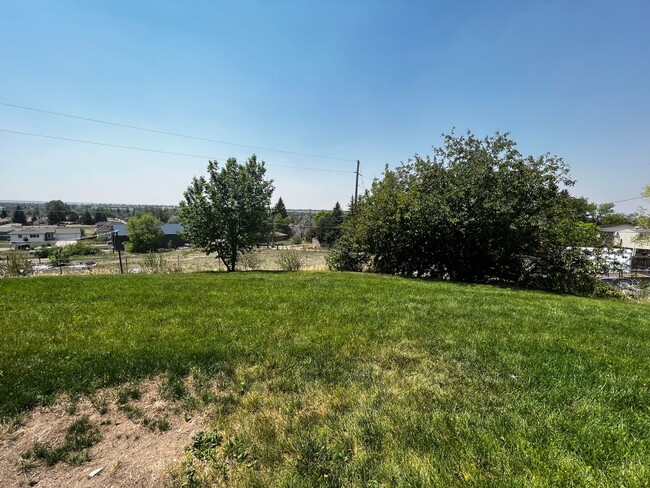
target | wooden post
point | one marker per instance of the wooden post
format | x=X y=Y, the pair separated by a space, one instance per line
x=119 y=253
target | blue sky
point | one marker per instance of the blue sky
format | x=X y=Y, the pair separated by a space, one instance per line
x=369 y=80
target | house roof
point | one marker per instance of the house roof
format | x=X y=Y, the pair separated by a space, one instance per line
x=34 y=229
x=43 y=229
x=167 y=229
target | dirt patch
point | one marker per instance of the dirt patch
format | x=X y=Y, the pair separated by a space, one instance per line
x=142 y=437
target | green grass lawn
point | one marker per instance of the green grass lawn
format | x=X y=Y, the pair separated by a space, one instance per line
x=335 y=379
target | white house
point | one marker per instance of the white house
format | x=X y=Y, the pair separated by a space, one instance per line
x=625 y=235
x=43 y=234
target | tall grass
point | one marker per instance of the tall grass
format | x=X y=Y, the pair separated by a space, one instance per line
x=354 y=380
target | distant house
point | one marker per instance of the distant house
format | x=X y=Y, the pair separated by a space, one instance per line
x=6 y=228
x=34 y=236
x=625 y=235
x=170 y=238
x=103 y=228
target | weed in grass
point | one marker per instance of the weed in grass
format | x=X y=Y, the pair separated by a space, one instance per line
x=79 y=437
x=156 y=424
x=100 y=403
x=115 y=468
x=78 y=458
x=25 y=466
x=128 y=393
x=72 y=404
x=173 y=388
x=235 y=449
x=204 y=444
x=132 y=412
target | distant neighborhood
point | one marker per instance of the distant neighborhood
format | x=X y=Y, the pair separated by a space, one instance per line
x=625 y=239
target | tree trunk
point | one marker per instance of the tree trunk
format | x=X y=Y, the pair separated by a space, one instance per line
x=233 y=260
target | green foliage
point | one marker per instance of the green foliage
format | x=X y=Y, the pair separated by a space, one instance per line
x=16 y=263
x=281 y=224
x=643 y=220
x=347 y=255
x=58 y=256
x=228 y=212
x=57 y=211
x=328 y=225
x=479 y=211
x=100 y=216
x=19 y=217
x=250 y=260
x=86 y=218
x=353 y=379
x=144 y=233
x=289 y=260
x=205 y=443
x=79 y=437
x=64 y=253
x=158 y=263
x=280 y=209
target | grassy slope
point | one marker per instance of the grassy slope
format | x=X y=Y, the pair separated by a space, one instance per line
x=357 y=379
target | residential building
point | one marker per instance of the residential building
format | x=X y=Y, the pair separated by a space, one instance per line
x=34 y=236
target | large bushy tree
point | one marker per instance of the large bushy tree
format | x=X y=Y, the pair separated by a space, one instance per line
x=56 y=211
x=229 y=211
x=144 y=233
x=19 y=217
x=478 y=211
x=328 y=225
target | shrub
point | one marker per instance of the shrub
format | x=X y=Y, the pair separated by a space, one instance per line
x=289 y=261
x=59 y=256
x=250 y=260
x=18 y=263
x=347 y=255
x=157 y=263
x=478 y=211
x=81 y=249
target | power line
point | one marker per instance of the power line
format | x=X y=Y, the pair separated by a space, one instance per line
x=135 y=148
x=176 y=134
x=628 y=200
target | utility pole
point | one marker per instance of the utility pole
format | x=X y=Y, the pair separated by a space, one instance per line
x=356 y=188
x=116 y=243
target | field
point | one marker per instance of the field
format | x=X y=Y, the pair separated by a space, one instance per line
x=336 y=379
x=182 y=261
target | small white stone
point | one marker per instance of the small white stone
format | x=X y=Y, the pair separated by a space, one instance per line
x=95 y=472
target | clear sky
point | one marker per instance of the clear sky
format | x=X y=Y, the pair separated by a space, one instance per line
x=371 y=80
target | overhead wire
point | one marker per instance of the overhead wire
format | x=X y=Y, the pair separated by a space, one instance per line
x=175 y=134
x=135 y=148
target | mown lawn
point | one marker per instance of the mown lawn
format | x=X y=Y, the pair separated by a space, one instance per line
x=334 y=379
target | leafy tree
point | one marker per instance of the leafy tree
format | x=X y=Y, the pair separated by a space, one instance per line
x=3 y=214
x=327 y=225
x=17 y=263
x=226 y=212
x=19 y=216
x=643 y=219
x=56 y=211
x=144 y=233
x=100 y=216
x=86 y=218
x=477 y=211
x=281 y=224
x=280 y=209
